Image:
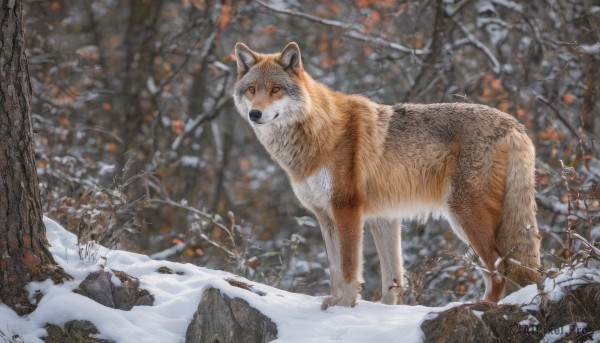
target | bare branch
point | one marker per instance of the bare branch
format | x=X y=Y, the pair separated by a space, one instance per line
x=350 y=31
x=479 y=45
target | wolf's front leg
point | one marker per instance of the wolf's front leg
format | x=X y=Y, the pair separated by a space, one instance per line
x=386 y=234
x=343 y=241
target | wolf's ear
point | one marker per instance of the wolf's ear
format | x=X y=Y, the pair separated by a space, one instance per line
x=290 y=58
x=245 y=58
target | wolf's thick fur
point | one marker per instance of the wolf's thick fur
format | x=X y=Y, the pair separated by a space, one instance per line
x=351 y=160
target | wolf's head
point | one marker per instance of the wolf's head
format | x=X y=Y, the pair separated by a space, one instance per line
x=269 y=87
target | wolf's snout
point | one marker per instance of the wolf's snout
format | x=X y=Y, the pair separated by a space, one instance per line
x=255 y=115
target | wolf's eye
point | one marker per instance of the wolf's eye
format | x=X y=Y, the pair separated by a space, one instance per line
x=251 y=89
x=275 y=89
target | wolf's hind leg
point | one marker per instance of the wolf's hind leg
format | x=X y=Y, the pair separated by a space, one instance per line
x=478 y=223
x=386 y=234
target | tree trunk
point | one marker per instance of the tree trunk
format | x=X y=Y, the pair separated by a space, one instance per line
x=140 y=42
x=433 y=64
x=23 y=252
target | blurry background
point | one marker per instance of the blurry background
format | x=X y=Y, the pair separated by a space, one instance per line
x=139 y=146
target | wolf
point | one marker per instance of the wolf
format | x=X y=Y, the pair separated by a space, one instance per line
x=351 y=160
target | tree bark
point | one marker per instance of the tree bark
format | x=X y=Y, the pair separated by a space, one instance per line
x=433 y=63
x=23 y=252
x=140 y=42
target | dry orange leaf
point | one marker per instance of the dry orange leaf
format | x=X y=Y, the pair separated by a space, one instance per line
x=55 y=6
x=496 y=84
x=111 y=147
x=189 y=252
x=504 y=106
x=568 y=98
x=244 y=163
x=375 y=16
x=106 y=106
x=64 y=122
x=323 y=46
x=487 y=93
x=418 y=43
x=549 y=134
x=270 y=29
x=225 y=16
x=335 y=9
x=177 y=127
x=363 y=3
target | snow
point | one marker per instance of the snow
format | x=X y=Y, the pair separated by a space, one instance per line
x=298 y=317
x=527 y=295
x=554 y=288
x=559 y=333
x=569 y=279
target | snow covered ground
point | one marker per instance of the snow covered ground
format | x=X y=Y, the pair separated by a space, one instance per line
x=298 y=317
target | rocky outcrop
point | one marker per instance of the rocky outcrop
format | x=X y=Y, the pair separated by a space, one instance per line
x=224 y=320
x=574 y=318
x=75 y=331
x=123 y=295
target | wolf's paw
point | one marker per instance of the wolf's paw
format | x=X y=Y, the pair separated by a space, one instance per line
x=346 y=295
x=394 y=293
x=390 y=298
x=338 y=301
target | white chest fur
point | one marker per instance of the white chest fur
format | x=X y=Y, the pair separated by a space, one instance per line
x=315 y=190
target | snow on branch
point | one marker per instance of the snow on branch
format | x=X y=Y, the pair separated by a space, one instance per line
x=510 y=5
x=351 y=31
x=590 y=49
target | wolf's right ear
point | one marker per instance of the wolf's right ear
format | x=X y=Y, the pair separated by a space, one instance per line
x=245 y=58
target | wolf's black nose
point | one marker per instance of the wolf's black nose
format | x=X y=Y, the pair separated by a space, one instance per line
x=255 y=115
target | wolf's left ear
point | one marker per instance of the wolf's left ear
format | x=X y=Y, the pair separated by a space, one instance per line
x=290 y=58
x=245 y=58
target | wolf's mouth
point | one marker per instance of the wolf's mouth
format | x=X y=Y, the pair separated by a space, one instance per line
x=259 y=123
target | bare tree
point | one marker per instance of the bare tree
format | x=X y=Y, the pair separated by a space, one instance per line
x=23 y=253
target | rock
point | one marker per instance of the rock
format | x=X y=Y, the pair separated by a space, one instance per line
x=75 y=331
x=225 y=320
x=167 y=270
x=99 y=287
x=458 y=324
x=489 y=322
x=579 y=305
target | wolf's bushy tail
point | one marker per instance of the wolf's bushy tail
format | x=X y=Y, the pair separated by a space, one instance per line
x=517 y=237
